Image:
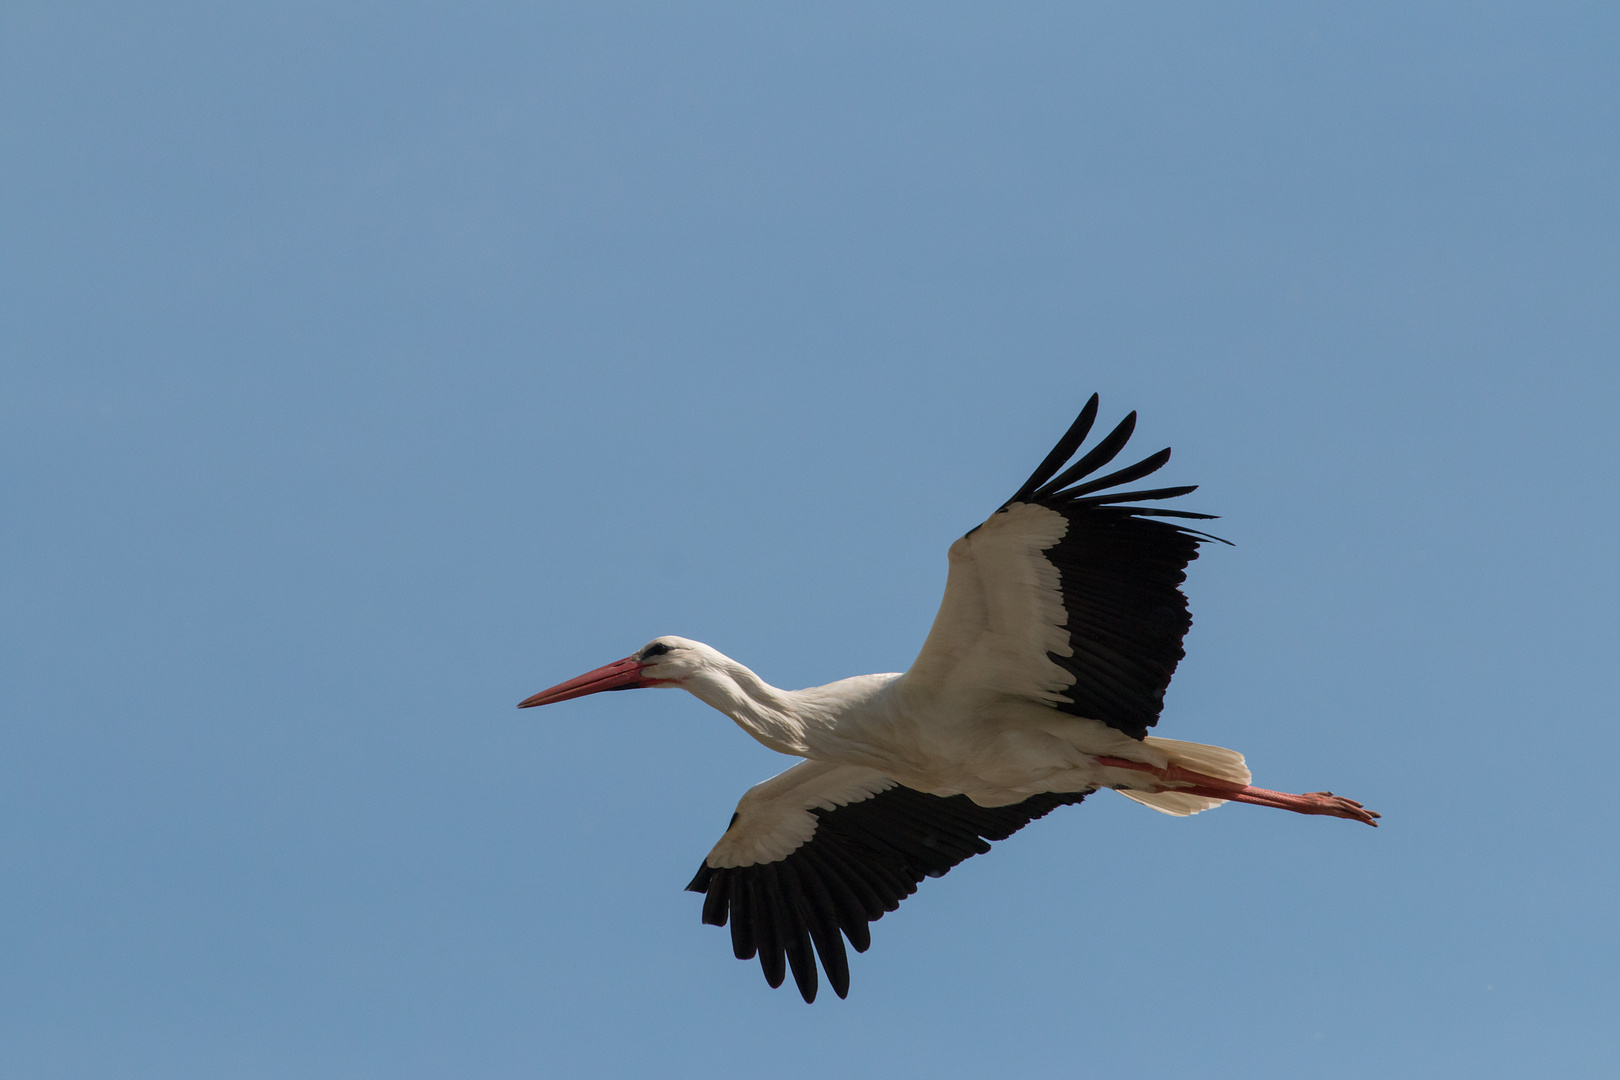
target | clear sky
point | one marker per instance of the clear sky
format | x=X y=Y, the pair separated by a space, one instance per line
x=369 y=367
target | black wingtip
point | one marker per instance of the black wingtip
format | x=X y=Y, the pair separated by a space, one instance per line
x=1098 y=456
x=1149 y=494
x=1056 y=491
x=802 y=960
x=1064 y=450
x=1147 y=466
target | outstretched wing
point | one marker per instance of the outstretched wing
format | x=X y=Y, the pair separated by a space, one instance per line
x=815 y=854
x=1065 y=596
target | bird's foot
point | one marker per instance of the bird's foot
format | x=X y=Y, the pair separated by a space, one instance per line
x=1325 y=802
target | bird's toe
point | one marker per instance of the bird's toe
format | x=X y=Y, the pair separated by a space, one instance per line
x=1339 y=806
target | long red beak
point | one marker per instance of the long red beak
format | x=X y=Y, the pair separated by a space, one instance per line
x=620 y=675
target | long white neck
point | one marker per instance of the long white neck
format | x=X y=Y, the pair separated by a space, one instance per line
x=766 y=713
x=800 y=722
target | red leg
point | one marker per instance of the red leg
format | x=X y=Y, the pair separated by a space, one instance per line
x=1314 y=802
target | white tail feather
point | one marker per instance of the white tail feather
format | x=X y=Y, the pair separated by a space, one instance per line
x=1177 y=803
x=1216 y=761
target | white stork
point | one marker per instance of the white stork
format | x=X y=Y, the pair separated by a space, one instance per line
x=1061 y=626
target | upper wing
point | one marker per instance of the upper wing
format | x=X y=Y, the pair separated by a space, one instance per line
x=826 y=848
x=1066 y=597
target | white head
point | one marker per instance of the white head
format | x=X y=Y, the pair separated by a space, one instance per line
x=760 y=709
x=663 y=661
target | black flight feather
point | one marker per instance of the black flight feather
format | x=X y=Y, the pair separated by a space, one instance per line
x=1062 y=451
x=1095 y=458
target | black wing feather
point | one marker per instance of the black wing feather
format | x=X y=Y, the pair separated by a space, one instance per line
x=1062 y=452
x=1121 y=572
x=1095 y=458
x=862 y=860
x=1145 y=493
x=1128 y=474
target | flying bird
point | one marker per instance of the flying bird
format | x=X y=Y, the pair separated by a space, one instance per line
x=1061 y=626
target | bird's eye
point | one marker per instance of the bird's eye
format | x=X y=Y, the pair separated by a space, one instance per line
x=657 y=648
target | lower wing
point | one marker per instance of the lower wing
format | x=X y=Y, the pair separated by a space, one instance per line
x=815 y=854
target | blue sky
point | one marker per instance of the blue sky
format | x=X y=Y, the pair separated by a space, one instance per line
x=370 y=367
